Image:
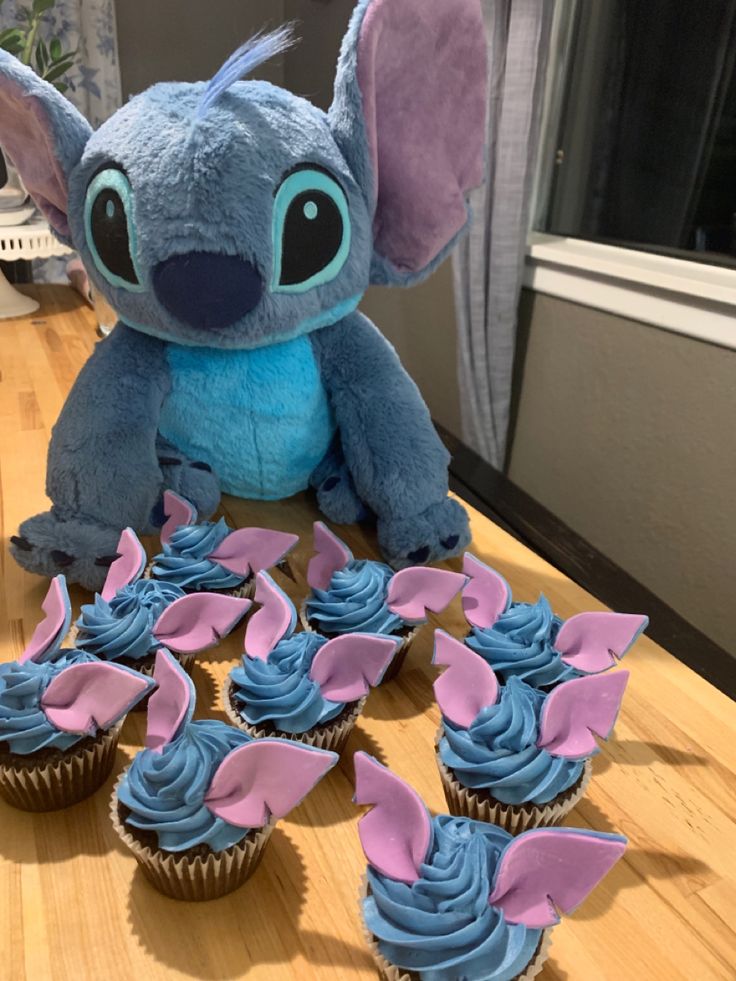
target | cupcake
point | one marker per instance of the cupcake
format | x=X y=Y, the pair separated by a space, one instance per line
x=301 y=686
x=364 y=596
x=513 y=755
x=198 y=804
x=60 y=715
x=211 y=556
x=132 y=618
x=448 y=898
x=527 y=640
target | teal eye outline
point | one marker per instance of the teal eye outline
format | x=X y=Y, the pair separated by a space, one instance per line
x=113 y=179
x=298 y=182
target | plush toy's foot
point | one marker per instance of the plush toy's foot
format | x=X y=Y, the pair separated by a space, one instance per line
x=336 y=495
x=83 y=550
x=192 y=479
x=437 y=533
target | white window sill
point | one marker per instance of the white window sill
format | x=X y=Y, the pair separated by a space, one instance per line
x=686 y=297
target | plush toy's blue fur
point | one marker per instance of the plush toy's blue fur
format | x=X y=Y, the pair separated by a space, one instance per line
x=300 y=390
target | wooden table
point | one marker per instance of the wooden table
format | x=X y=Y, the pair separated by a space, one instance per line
x=74 y=905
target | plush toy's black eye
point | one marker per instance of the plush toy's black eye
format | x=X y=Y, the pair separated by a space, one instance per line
x=311 y=231
x=110 y=229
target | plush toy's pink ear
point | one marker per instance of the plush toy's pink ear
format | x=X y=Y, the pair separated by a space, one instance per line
x=90 y=696
x=171 y=706
x=396 y=834
x=249 y=550
x=577 y=709
x=413 y=591
x=486 y=595
x=266 y=778
x=179 y=512
x=43 y=134
x=468 y=685
x=128 y=567
x=275 y=620
x=591 y=642
x=51 y=631
x=198 y=621
x=546 y=870
x=409 y=116
x=347 y=667
x=331 y=555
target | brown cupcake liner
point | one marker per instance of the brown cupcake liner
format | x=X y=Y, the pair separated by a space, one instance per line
x=515 y=818
x=332 y=736
x=51 y=786
x=399 y=657
x=194 y=879
x=390 y=972
x=246 y=591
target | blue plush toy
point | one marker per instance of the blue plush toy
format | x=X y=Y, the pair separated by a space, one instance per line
x=234 y=228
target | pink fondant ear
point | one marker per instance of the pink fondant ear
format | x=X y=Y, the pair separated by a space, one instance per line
x=128 y=567
x=171 y=706
x=179 y=512
x=198 y=621
x=396 y=834
x=250 y=550
x=546 y=870
x=591 y=642
x=266 y=778
x=468 y=685
x=577 y=709
x=275 y=620
x=92 y=695
x=486 y=595
x=413 y=591
x=347 y=667
x=332 y=554
x=51 y=631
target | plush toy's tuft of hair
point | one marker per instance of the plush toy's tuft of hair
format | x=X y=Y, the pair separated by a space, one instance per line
x=258 y=49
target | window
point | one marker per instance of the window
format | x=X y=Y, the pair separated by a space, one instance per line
x=639 y=144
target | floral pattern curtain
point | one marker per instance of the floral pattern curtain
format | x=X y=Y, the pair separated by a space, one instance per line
x=94 y=82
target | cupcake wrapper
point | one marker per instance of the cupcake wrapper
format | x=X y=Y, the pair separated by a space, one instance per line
x=515 y=818
x=51 y=786
x=331 y=736
x=390 y=972
x=246 y=591
x=399 y=657
x=194 y=879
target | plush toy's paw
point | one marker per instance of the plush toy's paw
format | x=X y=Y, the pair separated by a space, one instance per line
x=437 y=533
x=337 y=498
x=83 y=550
x=194 y=480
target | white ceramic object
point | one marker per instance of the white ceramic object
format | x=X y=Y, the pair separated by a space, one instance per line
x=31 y=241
x=18 y=216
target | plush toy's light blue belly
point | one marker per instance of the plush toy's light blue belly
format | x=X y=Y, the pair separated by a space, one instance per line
x=260 y=418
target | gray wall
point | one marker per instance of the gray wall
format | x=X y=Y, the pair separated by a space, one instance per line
x=628 y=434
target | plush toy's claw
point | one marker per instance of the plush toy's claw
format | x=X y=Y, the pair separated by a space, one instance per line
x=437 y=533
x=188 y=479
x=107 y=560
x=44 y=539
x=338 y=499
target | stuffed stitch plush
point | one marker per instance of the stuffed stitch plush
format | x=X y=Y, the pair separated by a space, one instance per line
x=234 y=227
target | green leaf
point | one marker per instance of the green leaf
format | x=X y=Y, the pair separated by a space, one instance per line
x=55 y=49
x=42 y=56
x=57 y=71
x=60 y=86
x=10 y=33
x=41 y=6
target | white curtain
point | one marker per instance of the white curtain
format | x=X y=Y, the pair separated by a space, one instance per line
x=488 y=265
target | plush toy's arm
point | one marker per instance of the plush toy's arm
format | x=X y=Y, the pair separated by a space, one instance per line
x=397 y=462
x=102 y=459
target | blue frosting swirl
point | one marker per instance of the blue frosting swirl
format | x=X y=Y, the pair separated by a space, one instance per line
x=355 y=601
x=279 y=690
x=498 y=752
x=442 y=925
x=24 y=726
x=184 y=559
x=165 y=791
x=521 y=644
x=124 y=626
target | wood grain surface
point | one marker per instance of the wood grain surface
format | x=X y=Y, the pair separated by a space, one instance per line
x=74 y=906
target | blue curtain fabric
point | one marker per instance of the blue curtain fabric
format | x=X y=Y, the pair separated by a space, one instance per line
x=489 y=263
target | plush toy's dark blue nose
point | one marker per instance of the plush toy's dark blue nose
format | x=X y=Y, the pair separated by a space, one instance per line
x=207 y=290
